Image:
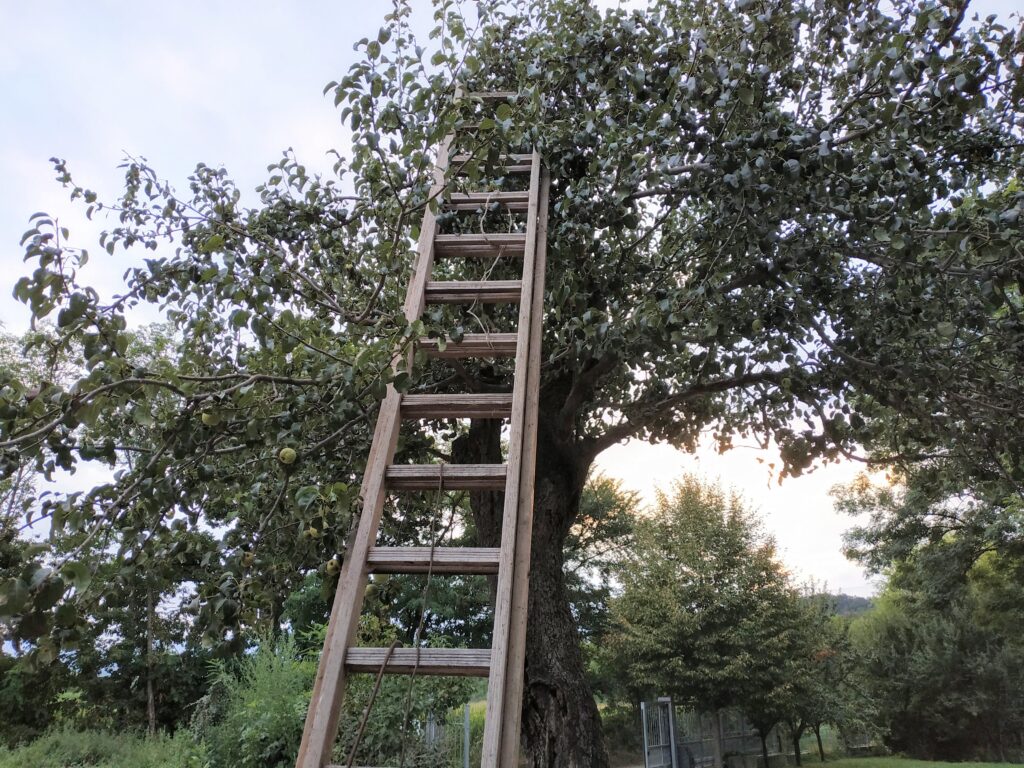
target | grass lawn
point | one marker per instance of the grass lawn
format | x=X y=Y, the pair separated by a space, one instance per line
x=902 y=762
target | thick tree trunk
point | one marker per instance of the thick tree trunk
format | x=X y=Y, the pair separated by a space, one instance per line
x=560 y=719
x=764 y=749
x=561 y=724
x=817 y=735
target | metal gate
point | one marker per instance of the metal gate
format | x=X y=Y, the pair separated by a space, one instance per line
x=659 y=726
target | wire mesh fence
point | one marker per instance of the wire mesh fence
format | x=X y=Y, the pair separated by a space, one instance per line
x=676 y=737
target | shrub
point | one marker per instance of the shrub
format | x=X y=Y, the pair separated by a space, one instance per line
x=621 y=727
x=253 y=714
x=25 y=698
x=100 y=749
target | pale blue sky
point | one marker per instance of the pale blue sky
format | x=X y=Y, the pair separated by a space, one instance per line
x=233 y=84
x=225 y=83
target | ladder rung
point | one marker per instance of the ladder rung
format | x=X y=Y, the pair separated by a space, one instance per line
x=473 y=345
x=453 y=560
x=471 y=406
x=525 y=157
x=492 y=95
x=504 y=244
x=475 y=291
x=462 y=662
x=454 y=477
x=471 y=201
x=507 y=164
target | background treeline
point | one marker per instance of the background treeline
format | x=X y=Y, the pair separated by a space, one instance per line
x=933 y=667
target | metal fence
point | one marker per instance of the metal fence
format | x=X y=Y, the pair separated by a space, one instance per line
x=448 y=740
x=686 y=739
x=660 y=734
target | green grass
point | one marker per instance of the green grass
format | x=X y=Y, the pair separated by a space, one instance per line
x=99 y=749
x=904 y=762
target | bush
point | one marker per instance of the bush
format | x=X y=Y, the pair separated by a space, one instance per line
x=253 y=714
x=99 y=749
x=621 y=727
x=25 y=698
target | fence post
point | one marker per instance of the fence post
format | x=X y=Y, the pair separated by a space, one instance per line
x=643 y=729
x=465 y=736
x=671 y=730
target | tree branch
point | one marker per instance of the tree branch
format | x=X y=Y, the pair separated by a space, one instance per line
x=630 y=426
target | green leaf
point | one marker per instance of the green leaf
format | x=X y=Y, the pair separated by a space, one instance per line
x=13 y=595
x=66 y=615
x=49 y=593
x=239 y=318
x=39 y=575
x=306 y=496
x=143 y=416
x=78 y=574
x=212 y=243
x=402 y=381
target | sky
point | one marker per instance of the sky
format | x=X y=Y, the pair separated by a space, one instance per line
x=234 y=84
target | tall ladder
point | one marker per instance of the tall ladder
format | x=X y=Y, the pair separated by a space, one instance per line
x=503 y=664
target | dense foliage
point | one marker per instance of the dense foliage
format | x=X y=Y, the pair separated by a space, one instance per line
x=708 y=615
x=702 y=600
x=105 y=749
x=946 y=679
x=943 y=657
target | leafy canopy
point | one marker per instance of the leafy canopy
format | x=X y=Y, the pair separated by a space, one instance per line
x=706 y=613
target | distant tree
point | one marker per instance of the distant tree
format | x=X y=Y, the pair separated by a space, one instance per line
x=597 y=543
x=822 y=689
x=706 y=613
x=943 y=663
x=945 y=666
x=850 y=605
x=932 y=511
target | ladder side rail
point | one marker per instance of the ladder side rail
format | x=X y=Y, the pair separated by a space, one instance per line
x=496 y=683
x=516 y=661
x=321 y=728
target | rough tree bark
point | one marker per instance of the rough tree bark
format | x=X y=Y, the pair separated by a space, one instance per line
x=561 y=724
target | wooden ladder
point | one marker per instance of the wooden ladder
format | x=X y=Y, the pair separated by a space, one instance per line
x=503 y=664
